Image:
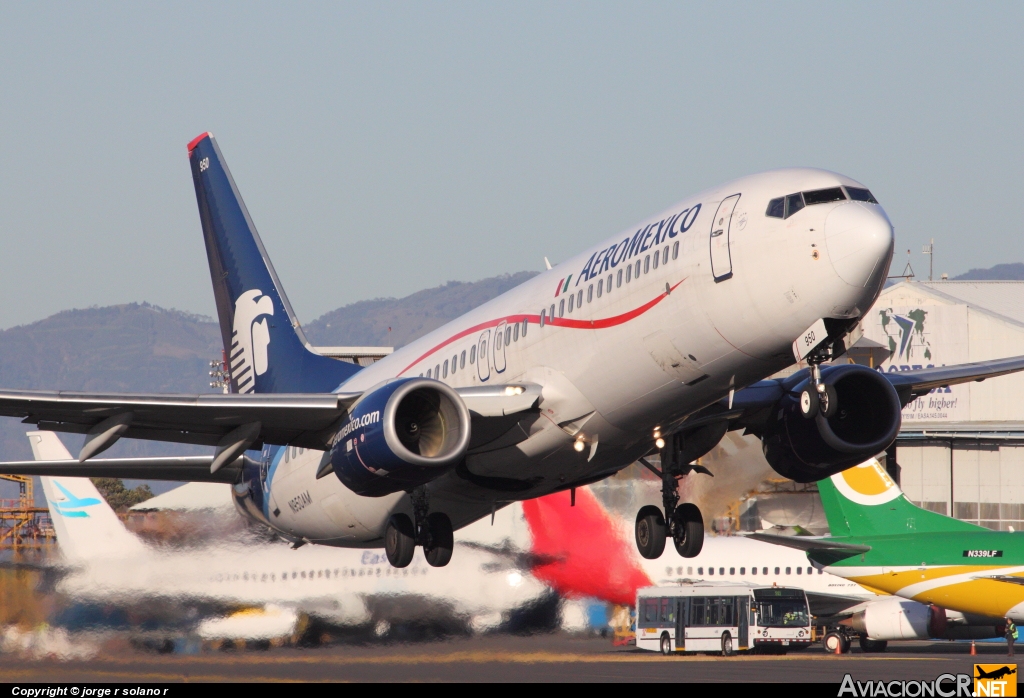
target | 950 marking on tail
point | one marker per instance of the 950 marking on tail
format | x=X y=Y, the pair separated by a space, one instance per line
x=204 y=164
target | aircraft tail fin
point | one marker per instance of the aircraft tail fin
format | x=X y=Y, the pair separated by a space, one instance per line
x=266 y=349
x=86 y=527
x=864 y=501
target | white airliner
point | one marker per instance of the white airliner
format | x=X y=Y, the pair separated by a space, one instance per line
x=108 y=564
x=655 y=339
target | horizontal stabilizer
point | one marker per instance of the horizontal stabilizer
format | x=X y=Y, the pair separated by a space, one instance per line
x=177 y=469
x=810 y=545
x=1003 y=578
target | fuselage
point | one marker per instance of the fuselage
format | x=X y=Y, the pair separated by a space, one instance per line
x=634 y=333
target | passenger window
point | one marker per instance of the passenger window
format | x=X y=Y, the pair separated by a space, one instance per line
x=437 y=371
x=764 y=570
x=753 y=570
x=571 y=299
x=824 y=196
x=629 y=273
x=787 y=570
x=721 y=570
x=525 y=322
x=858 y=194
x=700 y=571
x=776 y=208
x=551 y=312
x=445 y=368
x=776 y=570
x=600 y=287
x=647 y=263
x=590 y=293
x=455 y=362
x=428 y=373
x=664 y=255
x=608 y=283
x=618 y=279
x=561 y=308
x=794 y=202
x=689 y=570
x=542 y=313
x=732 y=570
x=711 y=570
x=656 y=258
x=515 y=332
x=579 y=299
x=636 y=270
x=675 y=250
x=799 y=570
x=810 y=570
x=462 y=361
x=498 y=337
x=472 y=355
x=508 y=335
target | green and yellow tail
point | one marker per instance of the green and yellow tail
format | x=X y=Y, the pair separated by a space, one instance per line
x=864 y=501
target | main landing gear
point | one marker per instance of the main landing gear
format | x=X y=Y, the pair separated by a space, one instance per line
x=683 y=522
x=432 y=531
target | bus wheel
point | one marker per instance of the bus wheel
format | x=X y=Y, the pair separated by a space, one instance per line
x=869 y=645
x=650 y=532
x=688 y=530
x=727 y=650
x=666 y=644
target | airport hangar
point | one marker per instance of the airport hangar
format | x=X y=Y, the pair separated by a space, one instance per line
x=961 y=449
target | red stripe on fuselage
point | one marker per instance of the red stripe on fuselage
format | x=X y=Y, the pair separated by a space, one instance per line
x=557 y=322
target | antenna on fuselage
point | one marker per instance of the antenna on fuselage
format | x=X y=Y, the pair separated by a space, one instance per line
x=547 y=263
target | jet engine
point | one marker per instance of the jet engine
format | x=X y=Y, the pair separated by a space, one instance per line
x=400 y=435
x=893 y=618
x=863 y=420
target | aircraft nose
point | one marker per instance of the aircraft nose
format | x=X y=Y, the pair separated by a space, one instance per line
x=859 y=240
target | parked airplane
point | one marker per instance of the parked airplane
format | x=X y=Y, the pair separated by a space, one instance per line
x=656 y=339
x=108 y=564
x=583 y=552
x=884 y=542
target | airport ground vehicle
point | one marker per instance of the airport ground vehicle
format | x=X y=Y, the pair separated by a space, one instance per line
x=726 y=618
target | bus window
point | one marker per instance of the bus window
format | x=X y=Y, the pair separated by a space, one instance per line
x=697 y=610
x=650 y=611
x=667 y=611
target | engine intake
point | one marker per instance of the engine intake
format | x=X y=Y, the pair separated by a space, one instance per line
x=401 y=435
x=865 y=423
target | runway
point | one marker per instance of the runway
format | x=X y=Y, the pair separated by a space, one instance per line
x=505 y=659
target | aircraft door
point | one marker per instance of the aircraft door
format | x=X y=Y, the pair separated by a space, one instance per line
x=721 y=255
x=499 y=347
x=483 y=359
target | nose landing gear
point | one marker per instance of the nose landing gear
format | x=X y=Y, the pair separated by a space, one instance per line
x=682 y=522
x=432 y=531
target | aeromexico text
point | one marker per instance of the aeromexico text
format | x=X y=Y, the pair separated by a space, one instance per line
x=358 y=422
x=644 y=239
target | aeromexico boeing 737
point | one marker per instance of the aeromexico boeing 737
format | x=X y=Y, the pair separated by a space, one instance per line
x=656 y=339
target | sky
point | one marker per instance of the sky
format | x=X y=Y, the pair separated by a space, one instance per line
x=382 y=148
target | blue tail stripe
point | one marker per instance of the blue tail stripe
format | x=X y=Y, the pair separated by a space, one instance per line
x=268 y=352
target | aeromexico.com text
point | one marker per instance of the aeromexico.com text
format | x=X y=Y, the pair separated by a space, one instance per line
x=358 y=422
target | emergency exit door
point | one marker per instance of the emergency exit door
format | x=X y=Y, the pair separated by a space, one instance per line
x=721 y=255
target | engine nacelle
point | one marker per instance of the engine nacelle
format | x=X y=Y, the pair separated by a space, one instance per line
x=893 y=618
x=865 y=423
x=401 y=435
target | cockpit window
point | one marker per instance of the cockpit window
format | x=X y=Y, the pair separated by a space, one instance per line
x=858 y=194
x=776 y=208
x=794 y=202
x=824 y=196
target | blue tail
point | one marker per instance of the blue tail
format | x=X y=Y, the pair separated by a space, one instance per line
x=266 y=349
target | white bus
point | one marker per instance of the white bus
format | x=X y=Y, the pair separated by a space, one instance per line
x=722 y=617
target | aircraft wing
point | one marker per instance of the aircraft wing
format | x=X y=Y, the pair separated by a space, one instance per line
x=183 y=469
x=751 y=406
x=298 y=420
x=811 y=545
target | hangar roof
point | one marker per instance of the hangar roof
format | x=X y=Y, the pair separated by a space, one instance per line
x=1003 y=298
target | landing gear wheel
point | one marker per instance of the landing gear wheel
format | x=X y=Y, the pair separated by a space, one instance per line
x=666 y=644
x=439 y=550
x=869 y=645
x=809 y=402
x=650 y=532
x=833 y=640
x=828 y=402
x=399 y=540
x=727 y=648
x=688 y=530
